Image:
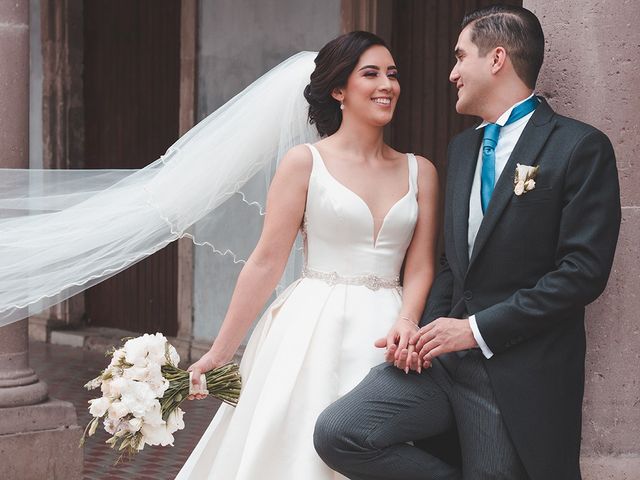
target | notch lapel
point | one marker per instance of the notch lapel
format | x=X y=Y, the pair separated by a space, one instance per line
x=525 y=152
x=462 y=190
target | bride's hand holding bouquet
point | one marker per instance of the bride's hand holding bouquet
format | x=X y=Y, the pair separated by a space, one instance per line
x=142 y=389
x=208 y=362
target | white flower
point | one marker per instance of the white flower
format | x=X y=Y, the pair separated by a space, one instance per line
x=95 y=383
x=106 y=388
x=155 y=429
x=93 y=427
x=135 y=424
x=99 y=406
x=529 y=184
x=153 y=415
x=157 y=435
x=519 y=188
x=174 y=356
x=156 y=381
x=138 y=398
x=136 y=373
x=111 y=425
x=175 y=420
x=118 y=410
x=118 y=386
x=159 y=387
x=117 y=358
x=524 y=178
x=146 y=349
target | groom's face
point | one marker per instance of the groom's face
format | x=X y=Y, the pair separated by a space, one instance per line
x=471 y=75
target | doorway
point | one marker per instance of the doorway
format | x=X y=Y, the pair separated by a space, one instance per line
x=131 y=81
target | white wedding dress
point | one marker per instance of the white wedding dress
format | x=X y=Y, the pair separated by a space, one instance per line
x=315 y=342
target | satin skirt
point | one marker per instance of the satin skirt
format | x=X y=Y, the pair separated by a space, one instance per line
x=311 y=346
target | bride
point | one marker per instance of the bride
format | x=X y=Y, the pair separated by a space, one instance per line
x=364 y=210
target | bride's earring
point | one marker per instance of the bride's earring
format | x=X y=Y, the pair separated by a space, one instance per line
x=341 y=105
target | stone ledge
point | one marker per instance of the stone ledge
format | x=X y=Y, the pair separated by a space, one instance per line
x=69 y=338
x=48 y=415
x=40 y=327
x=621 y=467
x=45 y=454
x=92 y=338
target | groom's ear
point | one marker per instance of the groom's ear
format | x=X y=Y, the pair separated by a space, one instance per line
x=498 y=59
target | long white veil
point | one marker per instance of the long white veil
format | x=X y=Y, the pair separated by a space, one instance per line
x=62 y=231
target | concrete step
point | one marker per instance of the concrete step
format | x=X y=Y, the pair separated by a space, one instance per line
x=91 y=338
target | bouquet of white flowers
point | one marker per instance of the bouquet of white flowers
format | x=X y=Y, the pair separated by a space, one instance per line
x=142 y=389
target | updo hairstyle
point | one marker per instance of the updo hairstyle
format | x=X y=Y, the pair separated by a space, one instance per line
x=334 y=63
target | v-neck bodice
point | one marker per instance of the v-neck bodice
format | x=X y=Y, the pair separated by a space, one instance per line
x=339 y=226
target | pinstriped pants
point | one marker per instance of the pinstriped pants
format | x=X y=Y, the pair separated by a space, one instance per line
x=364 y=434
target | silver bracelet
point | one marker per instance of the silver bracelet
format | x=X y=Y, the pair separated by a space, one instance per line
x=409 y=320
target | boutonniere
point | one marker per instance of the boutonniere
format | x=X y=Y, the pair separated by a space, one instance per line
x=524 y=179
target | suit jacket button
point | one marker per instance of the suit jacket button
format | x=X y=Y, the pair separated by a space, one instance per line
x=467 y=295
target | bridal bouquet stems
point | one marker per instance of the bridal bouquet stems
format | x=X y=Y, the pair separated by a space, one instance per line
x=142 y=389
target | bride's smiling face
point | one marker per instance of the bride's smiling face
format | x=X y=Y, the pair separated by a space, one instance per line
x=372 y=89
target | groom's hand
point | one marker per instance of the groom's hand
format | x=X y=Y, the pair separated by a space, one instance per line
x=441 y=336
x=398 y=350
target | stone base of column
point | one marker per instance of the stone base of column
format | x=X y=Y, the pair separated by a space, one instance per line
x=40 y=327
x=610 y=467
x=40 y=441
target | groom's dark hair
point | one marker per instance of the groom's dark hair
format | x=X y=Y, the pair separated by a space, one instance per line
x=517 y=30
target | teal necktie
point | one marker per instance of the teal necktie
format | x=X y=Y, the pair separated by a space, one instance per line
x=489 y=142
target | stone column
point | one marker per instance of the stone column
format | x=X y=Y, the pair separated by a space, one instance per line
x=188 y=79
x=591 y=73
x=28 y=419
x=56 y=56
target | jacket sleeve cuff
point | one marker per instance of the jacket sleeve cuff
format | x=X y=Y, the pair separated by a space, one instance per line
x=486 y=351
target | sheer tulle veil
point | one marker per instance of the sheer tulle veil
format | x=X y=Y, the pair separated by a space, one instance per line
x=62 y=231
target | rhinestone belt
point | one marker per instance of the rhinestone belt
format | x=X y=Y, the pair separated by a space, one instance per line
x=372 y=282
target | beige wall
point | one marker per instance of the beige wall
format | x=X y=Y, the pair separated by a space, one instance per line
x=14 y=84
x=591 y=73
x=238 y=42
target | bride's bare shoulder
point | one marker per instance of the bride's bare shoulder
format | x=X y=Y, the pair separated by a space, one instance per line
x=427 y=173
x=425 y=165
x=296 y=163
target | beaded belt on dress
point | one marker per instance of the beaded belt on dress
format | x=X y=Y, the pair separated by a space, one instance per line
x=372 y=282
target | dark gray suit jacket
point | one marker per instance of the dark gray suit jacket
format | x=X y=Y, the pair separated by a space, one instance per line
x=538 y=260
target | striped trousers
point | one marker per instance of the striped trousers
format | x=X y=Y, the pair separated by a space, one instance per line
x=365 y=435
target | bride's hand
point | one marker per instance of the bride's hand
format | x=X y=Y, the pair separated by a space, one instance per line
x=399 y=351
x=206 y=363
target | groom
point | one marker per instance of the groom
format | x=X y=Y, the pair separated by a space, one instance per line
x=532 y=214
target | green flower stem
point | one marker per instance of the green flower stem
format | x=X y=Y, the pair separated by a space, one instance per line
x=224 y=383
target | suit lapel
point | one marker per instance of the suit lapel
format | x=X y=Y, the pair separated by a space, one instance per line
x=525 y=152
x=464 y=180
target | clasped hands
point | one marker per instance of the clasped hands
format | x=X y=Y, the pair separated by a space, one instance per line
x=413 y=348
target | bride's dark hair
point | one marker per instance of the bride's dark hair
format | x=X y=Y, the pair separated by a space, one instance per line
x=334 y=63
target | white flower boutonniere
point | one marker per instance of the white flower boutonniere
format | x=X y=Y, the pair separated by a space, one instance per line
x=524 y=179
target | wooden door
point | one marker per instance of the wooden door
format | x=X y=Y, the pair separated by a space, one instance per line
x=131 y=101
x=423 y=36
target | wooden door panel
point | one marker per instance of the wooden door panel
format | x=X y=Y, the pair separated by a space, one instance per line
x=131 y=99
x=424 y=33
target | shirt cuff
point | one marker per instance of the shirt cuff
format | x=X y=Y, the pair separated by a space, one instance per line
x=486 y=351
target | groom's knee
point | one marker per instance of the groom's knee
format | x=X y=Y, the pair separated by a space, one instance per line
x=333 y=437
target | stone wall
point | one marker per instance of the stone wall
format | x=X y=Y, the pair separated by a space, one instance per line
x=591 y=73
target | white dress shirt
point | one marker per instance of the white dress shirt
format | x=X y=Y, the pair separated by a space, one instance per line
x=509 y=135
